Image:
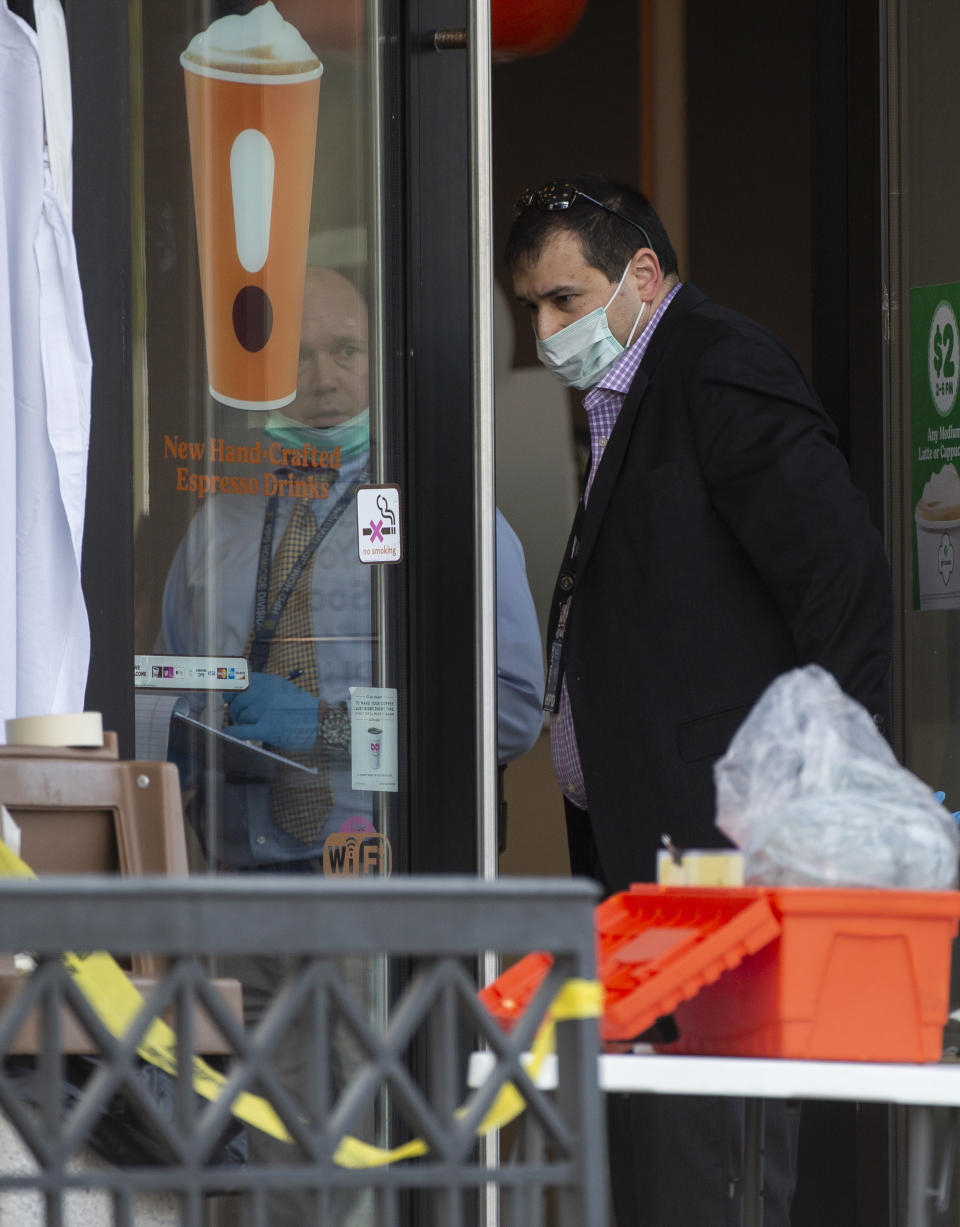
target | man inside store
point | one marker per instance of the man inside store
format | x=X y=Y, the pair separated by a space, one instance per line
x=220 y=597
x=297 y=699
x=719 y=542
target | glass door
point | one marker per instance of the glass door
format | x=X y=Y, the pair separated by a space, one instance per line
x=312 y=626
x=265 y=630
x=924 y=307
x=313 y=516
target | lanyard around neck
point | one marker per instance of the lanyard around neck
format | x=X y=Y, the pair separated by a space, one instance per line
x=562 y=595
x=266 y=620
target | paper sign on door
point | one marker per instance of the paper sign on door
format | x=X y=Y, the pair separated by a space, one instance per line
x=373 y=745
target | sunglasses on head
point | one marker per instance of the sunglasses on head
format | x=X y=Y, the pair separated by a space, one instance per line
x=558 y=195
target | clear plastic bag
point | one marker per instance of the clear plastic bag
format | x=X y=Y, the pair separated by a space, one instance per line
x=814 y=796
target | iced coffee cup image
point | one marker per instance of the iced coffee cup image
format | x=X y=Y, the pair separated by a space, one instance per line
x=253 y=86
x=937 y=518
x=373 y=747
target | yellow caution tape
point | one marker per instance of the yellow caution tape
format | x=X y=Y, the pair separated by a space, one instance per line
x=575 y=999
x=117 y=1002
x=578 y=999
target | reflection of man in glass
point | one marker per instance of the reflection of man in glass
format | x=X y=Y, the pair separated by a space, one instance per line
x=333 y=378
x=227 y=582
x=296 y=702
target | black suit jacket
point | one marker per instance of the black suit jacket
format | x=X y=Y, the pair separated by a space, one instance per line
x=722 y=544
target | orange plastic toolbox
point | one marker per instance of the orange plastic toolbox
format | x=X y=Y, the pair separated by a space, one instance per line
x=830 y=974
x=653 y=950
x=657 y=946
x=855 y=975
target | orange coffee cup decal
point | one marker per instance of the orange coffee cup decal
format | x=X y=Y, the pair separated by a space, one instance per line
x=252 y=87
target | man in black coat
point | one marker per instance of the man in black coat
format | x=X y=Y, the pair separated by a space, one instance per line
x=719 y=542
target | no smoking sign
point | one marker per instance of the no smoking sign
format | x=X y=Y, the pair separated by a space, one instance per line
x=378 y=524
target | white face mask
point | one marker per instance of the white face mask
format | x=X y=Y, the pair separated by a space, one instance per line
x=582 y=353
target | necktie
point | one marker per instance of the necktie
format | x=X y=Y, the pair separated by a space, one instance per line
x=301 y=803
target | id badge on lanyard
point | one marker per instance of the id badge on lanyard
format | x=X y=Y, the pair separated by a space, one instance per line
x=551 y=695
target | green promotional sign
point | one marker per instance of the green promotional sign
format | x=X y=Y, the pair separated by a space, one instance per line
x=935 y=444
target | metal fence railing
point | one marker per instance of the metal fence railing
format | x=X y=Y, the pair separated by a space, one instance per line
x=361 y=1013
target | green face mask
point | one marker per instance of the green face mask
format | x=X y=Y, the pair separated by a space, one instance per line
x=351 y=436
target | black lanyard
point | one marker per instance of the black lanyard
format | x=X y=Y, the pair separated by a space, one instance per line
x=562 y=595
x=266 y=621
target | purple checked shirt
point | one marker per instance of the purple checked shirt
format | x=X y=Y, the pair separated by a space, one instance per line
x=603 y=404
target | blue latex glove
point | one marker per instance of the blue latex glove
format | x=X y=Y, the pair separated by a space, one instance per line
x=940 y=797
x=274 y=710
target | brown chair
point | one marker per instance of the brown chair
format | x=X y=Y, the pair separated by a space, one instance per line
x=86 y=811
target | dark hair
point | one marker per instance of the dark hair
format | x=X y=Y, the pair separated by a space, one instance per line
x=608 y=242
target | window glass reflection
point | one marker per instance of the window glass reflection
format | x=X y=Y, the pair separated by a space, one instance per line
x=254 y=428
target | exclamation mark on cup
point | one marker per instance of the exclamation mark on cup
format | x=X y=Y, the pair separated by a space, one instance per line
x=252 y=168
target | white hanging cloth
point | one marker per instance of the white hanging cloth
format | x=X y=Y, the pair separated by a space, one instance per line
x=57 y=104
x=44 y=380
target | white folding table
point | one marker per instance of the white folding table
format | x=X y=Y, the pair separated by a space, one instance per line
x=919 y=1088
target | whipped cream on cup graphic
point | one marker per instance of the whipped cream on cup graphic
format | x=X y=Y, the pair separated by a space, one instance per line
x=937 y=518
x=260 y=42
x=253 y=87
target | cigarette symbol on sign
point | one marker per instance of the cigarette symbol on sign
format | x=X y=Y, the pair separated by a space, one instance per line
x=379 y=524
x=377 y=530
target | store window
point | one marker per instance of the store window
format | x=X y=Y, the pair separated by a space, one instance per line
x=925 y=302
x=260 y=619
